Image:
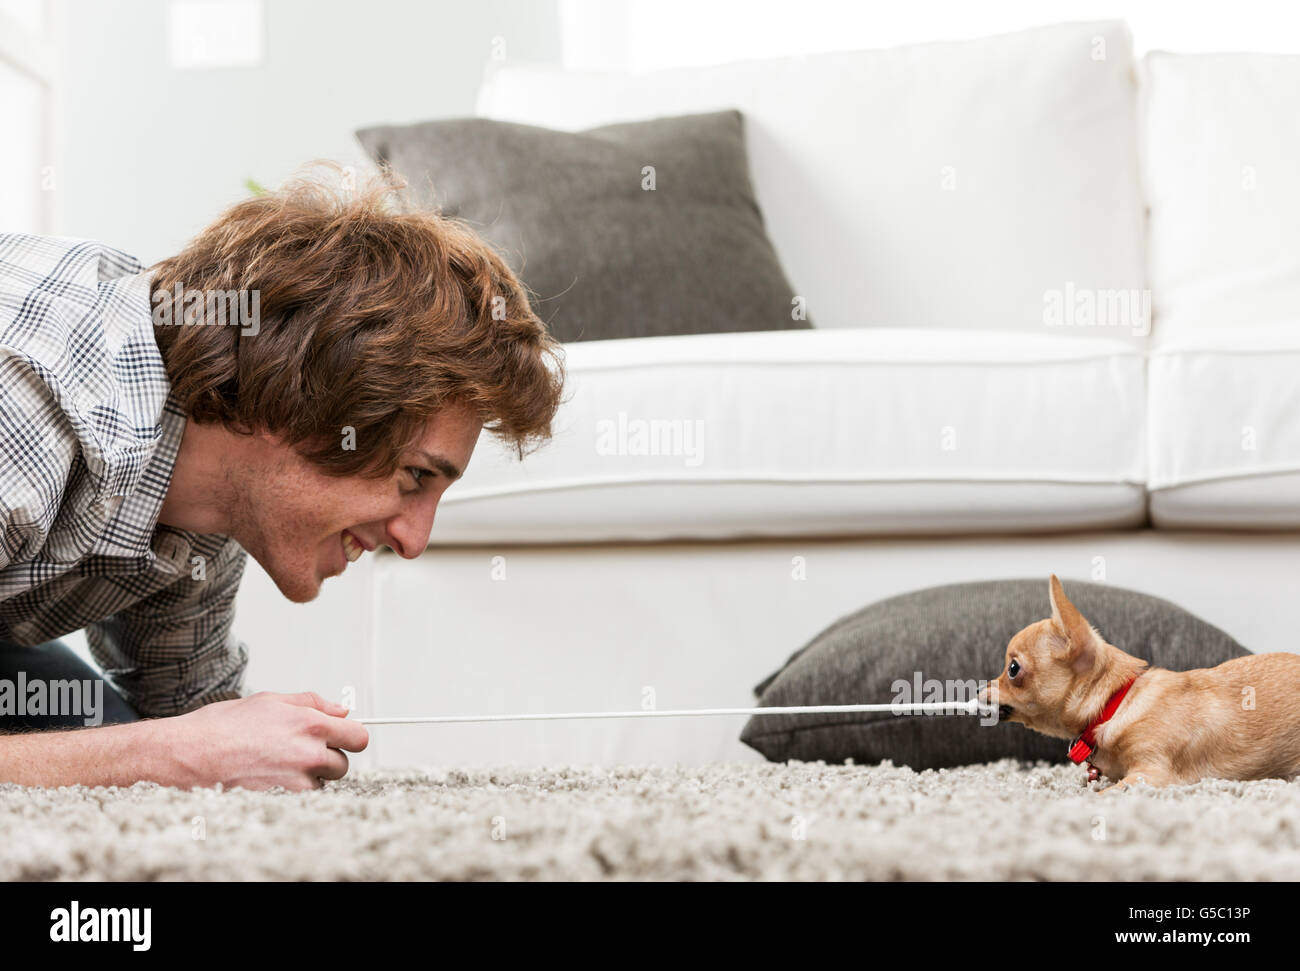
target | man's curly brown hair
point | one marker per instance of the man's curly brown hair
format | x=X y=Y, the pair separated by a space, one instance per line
x=370 y=317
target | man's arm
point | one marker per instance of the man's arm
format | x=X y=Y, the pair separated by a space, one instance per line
x=265 y=740
x=115 y=755
x=175 y=650
x=174 y=654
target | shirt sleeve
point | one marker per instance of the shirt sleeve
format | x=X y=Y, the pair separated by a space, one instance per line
x=37 y=447
x=175 y=651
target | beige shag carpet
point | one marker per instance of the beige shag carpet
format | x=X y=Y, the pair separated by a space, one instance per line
x=798 y=821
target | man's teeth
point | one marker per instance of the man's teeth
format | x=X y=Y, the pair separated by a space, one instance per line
x=351 y=548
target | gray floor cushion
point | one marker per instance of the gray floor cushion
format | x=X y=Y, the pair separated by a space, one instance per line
x=959 y=633
x=641 y=229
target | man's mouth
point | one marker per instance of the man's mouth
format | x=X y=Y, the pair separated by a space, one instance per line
x=352 y=548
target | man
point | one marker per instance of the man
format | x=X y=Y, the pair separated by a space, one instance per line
x=302 y=382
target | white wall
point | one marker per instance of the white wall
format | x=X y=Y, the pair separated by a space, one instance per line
x=27 y=112
x=631 y=35
x=149 y=153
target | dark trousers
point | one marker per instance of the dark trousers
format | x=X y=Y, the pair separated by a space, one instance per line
x=49 y=665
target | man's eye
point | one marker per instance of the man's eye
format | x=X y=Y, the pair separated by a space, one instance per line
x=1013 y=669
x=417 y=473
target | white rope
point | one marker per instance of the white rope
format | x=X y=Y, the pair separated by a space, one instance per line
x=951 y=707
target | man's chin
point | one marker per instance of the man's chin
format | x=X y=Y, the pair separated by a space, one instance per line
x=299 y=590
x=298 y=587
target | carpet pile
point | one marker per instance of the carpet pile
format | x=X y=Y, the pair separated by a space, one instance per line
x=798 y=821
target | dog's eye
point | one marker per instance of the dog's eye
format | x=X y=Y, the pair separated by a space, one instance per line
x=1013 y=669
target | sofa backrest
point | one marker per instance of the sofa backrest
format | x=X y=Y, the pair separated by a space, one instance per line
x=1220 y=159
x=989 y=184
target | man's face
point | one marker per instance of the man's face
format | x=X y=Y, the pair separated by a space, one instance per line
x=296 y=517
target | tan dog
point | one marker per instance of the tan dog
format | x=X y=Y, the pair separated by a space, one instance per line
x=1240 y=720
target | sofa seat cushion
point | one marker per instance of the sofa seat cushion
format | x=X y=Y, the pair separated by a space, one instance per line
x=1224 y=440
x=796 y=433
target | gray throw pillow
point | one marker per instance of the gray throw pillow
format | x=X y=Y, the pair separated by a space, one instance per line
x=958 y=632
x=573 y=214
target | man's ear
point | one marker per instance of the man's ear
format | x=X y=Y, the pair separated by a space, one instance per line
x=1073 y=627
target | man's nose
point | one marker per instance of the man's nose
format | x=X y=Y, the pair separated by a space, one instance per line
x=408 y=534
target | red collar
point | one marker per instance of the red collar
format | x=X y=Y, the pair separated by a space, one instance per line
x=1082 y=748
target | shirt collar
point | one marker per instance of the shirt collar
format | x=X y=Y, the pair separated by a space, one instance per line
x=133 y=530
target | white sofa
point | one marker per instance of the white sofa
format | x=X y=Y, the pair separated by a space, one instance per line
x=1057 y=305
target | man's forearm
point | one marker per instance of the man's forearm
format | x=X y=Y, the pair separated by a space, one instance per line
x=112 y=755
x=265 y=740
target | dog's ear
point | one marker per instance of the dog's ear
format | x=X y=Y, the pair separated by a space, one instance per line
x=1073 y=627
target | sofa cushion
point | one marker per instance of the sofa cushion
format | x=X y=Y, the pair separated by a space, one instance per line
x=977 y=185
x=955 y=633
x=1224 y=439
x=819 y=433
x=1219 y=153
x=634 y=230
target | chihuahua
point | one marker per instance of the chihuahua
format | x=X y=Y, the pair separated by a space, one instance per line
x=1132 y=722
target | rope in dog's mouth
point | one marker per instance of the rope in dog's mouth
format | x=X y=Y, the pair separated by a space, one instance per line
x=971 y=707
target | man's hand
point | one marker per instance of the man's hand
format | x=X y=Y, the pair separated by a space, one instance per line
x=294 y=741
x=266 y=740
